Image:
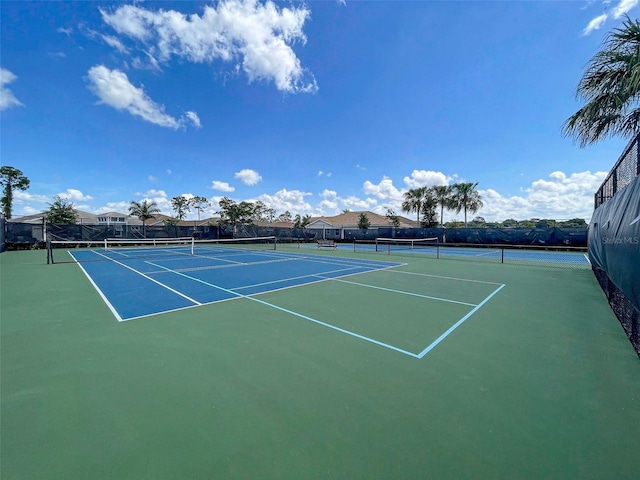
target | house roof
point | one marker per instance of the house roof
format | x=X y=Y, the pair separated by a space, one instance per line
x=85 y=218
x=351 y=219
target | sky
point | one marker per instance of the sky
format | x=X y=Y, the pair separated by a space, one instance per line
x=310 y=107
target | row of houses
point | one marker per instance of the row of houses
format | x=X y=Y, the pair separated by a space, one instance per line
x=330 y=226
x=343 y=220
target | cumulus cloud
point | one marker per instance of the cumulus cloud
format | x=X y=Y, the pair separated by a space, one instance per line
x=287 y=200
x=385 y=190
x=559 y=197
x=7 y=98
x=425 y=178
x=160 y=197
x=113 y=88
x=120 y=207
x=256 y=37
x=248 y=176
x=75 y=195
x=222 y=186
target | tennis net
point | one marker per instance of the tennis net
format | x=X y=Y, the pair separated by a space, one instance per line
x=422 y=245
x=66 y=251
x=232 y=245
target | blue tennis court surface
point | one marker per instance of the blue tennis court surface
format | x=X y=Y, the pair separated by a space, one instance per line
x=134 y=284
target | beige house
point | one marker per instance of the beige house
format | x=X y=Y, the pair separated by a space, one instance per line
x=351 y=219
x=333 y=227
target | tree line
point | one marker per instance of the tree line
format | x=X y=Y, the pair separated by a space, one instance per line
x=424 y=201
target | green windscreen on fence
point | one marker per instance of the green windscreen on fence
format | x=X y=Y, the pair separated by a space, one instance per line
x=614 y=252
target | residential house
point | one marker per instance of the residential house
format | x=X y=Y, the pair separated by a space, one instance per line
x=334 y=227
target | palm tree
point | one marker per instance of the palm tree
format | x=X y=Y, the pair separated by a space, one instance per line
x=466 y=198
x=301 y=222
x=611 y=88
x=413 y=200
x=442 y=193
x=144 y=211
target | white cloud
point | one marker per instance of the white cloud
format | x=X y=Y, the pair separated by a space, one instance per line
x=248 y=176
x=7 y=98
x=151 y=178
x=624 y=7
x=385 y=190
x=20 y=196
x=595 y=24
x=222 y=186
x=113 y=88
x=256 y=35
x=114 y=42
x=559 y=197
x=287 y=200
x=120 y=207
x=193 y=118
x=66 y=31
x=75 y=195
x=159 y=196
x=425 y=178
x=324 y=174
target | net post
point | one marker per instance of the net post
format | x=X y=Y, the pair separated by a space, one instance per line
x=275 y=243
x=193 y=245
x=49 y=257
x=105 y=245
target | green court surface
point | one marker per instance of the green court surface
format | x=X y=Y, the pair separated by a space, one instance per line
x=537 y=382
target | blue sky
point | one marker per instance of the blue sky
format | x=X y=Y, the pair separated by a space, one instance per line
x=312 y=107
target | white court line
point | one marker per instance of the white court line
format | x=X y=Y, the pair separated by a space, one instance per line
x=458 y=323
x=291 y=312
x=102 y=295
x=149 y=278
x=445 y=278
x=402 y=292
x=310 y=275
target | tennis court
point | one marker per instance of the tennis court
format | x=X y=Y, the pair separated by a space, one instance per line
x=494 y=253
x=296 y=363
